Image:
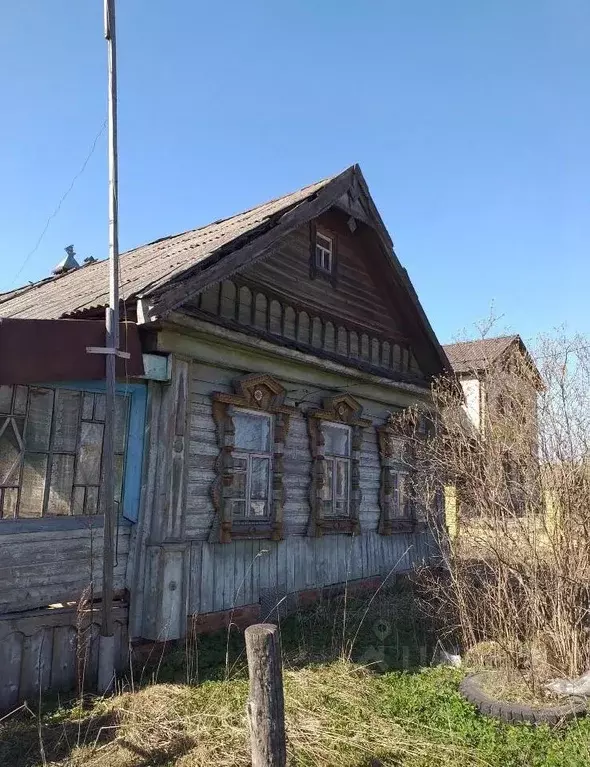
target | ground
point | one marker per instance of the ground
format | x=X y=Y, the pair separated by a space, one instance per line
x=355 y=696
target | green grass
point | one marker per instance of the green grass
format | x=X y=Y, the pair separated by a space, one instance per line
x=338 y=713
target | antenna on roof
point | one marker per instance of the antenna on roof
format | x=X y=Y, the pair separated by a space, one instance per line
x=68 y=263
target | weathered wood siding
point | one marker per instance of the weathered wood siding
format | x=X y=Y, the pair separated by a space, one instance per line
x=358 y=297
x=227 y=575
x=244 y=572
x=53 y=650
x=55 y=565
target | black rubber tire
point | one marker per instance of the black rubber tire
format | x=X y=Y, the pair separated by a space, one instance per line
x=513 y=713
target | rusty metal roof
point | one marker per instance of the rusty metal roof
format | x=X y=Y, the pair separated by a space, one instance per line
x=146 y=269
x=474 y=356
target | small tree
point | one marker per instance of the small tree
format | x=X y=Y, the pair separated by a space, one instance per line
x=518 y=570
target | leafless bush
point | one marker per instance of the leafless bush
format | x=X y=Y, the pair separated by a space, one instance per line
x=515 y=477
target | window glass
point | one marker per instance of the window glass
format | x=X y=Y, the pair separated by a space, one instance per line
x=252 y=432
x=252 y=465
x=336 y=440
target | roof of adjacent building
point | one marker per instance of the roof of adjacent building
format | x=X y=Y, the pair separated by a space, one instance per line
x=144 y=269
x=474 y=356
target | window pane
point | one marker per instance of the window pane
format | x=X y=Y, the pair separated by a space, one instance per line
x=259 y=481
x=239 y=508
x=324 y=242
x=336 y=440
x=342 y=479
x=258 y=508
x=10 y=451
x=341 y=508
x=252 y=432
x=239 y=485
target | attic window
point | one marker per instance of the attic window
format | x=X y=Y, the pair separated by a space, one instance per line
x=324 y=249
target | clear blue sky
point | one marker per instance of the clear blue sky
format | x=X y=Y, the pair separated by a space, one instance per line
x=470 y=120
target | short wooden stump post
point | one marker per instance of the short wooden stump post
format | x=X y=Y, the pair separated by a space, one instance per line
x=266 y=704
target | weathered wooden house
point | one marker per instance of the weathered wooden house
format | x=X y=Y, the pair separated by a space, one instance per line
x=264 y=465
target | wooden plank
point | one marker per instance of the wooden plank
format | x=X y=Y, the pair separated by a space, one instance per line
x=60 y=485
x=63 y=666
x=36 y=664
x=11 y=650
x=195 y=578
x=228 y=552
x=241 y=562
x=66 y=420
x=204 y=600
x=33 y=485
x=89 y=454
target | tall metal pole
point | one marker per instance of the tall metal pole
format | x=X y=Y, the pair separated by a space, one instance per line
x=106 y=668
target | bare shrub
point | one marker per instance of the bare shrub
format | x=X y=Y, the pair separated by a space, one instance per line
x=516 y=568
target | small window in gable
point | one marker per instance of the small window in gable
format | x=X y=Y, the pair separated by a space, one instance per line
x=324 y=252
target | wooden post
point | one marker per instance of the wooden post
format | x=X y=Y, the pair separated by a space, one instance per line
x=266 y=706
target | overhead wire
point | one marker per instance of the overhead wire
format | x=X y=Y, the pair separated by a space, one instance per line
x=57 y=208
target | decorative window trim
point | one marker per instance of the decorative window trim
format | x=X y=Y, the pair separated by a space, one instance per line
x=314 y=270
x=342 y=409
x=394 y=461
x=256 y=393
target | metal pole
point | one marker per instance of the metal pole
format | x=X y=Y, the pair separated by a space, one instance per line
x=106 y=669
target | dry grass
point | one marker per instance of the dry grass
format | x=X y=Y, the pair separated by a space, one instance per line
x=332 y=716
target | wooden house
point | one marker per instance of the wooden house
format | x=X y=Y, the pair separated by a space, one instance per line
x=257 y=462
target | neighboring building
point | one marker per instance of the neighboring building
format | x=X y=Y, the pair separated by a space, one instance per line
x=265 y=466
x=500 y=384
x=498 y=377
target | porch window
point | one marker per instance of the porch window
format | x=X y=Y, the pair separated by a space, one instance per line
x=337 y=454
x=51 y=451
x=252 y=464
x=324 y=250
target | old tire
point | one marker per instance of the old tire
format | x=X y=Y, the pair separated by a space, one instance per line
x=513 y=713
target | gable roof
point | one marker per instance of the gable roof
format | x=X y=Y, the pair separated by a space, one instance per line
x=475 y=356
x=144 y=269
x=169 y=271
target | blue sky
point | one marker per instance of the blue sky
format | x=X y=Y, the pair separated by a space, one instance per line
x=470 y=120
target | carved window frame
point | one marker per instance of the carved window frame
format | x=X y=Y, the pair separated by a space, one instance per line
x=395 y=461
x=345 y=410
x=264 y=394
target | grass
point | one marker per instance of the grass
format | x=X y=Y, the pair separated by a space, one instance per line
x=339 y=712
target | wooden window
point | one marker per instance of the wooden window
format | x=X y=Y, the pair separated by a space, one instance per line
x=335 y=434
x=337 y=453
x=397 y=511
x=51 y=451
x=248 y=492
x=324 y=251
x=252 y=464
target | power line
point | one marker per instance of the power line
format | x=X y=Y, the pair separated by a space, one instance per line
x=60 y=203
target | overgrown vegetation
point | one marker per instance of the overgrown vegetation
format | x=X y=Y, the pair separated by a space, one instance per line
x=339 y=711
x=518 y=572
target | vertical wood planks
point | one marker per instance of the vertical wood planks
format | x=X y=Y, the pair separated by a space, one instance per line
x=33 y=485
x=11 y=648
